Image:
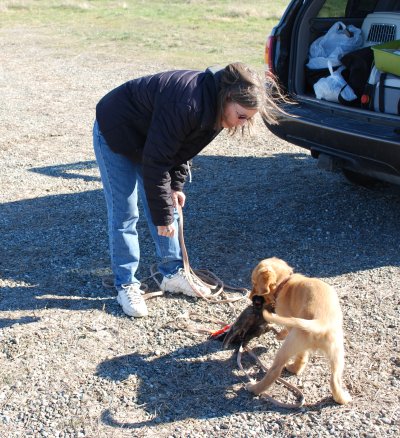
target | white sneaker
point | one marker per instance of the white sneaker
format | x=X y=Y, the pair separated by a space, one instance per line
x=179 y=283
x=131 y=299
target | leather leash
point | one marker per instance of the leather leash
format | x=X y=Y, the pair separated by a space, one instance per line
x=210 y=280
x=267 y=397
x=203 y=276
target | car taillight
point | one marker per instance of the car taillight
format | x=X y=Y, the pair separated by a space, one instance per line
x=269 y=55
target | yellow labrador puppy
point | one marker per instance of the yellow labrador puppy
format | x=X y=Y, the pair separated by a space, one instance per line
x=309 y=310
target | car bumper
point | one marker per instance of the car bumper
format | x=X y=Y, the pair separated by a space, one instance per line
x=349 y=136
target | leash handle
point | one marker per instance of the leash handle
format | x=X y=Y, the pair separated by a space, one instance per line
x=185 y=256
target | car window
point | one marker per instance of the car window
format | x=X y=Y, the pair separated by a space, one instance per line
x=347 y=8
x=333 y=8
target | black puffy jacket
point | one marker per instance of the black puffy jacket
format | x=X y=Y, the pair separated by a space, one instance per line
x=162 y=121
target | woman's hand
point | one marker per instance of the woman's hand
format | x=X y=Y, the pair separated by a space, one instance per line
x=166 y=230
x=178 y=198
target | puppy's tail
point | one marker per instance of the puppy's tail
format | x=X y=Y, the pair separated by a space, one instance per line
x=309 y=325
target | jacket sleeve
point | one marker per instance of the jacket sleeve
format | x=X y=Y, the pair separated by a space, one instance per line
x=179 y=175
x=171 y=124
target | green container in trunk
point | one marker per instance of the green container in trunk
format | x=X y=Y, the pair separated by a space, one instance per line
x=387 y=57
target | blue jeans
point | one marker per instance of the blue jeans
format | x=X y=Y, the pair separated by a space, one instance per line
x=122 y=181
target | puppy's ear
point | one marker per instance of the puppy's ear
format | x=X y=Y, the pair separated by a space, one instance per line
x=286 y=269
x=264 y=281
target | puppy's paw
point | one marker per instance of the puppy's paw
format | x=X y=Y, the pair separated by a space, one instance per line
x=343 y=398
x=250 y=386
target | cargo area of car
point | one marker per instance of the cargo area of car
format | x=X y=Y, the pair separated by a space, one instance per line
x=382 y=25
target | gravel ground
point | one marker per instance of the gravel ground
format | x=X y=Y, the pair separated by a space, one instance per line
x=73 y=365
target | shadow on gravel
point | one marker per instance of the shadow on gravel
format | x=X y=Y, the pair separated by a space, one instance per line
x=8 y=322
x=239 y=210
x=187 y=383
x=69 y=171
x=283 y=205
x=51 y=248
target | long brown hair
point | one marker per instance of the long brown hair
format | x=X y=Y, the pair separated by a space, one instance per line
x=242 y=85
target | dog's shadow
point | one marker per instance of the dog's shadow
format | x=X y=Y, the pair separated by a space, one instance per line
x=197 y=381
